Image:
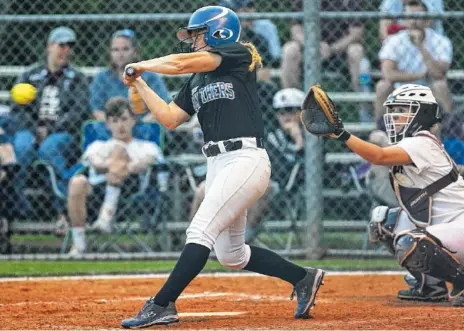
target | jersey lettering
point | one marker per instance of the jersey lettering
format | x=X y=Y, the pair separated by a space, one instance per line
x=195 y=101
x=50 y=103
x=211 y=92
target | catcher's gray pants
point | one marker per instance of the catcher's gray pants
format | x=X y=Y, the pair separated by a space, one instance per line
x=450 y=234
x=234 y=181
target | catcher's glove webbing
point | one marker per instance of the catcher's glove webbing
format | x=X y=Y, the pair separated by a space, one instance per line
x=320 y=117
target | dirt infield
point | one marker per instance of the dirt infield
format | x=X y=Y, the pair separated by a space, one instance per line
x=344 y=302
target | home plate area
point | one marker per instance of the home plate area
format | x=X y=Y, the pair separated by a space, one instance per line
x=220 y=302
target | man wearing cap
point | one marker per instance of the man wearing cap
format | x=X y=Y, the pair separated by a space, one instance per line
x=48 y=127
x=417 y=55
x=108 y=83
x=389 y=26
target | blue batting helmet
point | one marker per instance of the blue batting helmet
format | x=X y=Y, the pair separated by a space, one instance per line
x=222 y=26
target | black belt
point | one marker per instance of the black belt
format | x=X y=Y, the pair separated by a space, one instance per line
x=229 y=146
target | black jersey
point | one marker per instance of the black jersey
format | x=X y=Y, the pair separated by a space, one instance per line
x=225 y=99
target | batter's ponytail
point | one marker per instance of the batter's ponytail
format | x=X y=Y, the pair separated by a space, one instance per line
x=255 y=57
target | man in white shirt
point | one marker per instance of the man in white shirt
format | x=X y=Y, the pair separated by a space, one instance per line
x=111 y=164
x=417 y=55
x=397 y=7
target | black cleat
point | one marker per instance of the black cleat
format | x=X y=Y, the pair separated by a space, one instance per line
x=306 y=290
x=152 y=314
x=430 y=293
x=457 y=295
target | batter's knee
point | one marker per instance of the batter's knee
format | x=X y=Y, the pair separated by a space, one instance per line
x=234 y=258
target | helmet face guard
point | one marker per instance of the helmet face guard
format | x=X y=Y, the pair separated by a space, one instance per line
x=188 y=39
x=398 y=120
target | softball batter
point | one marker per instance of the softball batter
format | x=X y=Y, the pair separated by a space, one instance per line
x=222 y=91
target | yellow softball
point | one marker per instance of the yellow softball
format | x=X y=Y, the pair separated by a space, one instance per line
x=23 y=93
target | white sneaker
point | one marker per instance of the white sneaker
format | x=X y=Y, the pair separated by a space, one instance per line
x=76 y=251
x=104 y=222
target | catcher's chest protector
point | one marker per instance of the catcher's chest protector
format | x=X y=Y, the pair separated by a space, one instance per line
x=417 y=203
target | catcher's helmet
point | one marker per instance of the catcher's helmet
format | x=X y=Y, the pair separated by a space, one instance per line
x=221 y=25
x=420 y=111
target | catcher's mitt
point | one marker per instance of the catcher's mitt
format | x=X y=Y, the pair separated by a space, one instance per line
x=320 y=117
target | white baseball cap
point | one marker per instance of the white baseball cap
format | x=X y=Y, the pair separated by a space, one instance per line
x=288 y=98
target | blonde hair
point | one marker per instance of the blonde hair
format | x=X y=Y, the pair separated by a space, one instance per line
x=255 y=57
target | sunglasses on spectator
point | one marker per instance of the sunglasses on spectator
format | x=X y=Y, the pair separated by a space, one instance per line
x=63 y=45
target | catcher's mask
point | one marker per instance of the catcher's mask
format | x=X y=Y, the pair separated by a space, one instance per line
x=215 y=24
x=410 y=109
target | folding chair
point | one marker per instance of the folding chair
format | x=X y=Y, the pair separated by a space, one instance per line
x=137 y=218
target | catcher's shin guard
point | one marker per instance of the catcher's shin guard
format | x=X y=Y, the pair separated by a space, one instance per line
x=418 y=250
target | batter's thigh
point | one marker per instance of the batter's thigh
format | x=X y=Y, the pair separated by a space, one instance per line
x=241 y=178
x=451 y=236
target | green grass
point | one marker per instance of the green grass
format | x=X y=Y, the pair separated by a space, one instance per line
x=61 y=268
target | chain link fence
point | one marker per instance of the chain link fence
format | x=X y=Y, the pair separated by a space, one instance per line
x=320 y=197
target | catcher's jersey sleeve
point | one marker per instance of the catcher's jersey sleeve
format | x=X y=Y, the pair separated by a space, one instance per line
x=421 y=150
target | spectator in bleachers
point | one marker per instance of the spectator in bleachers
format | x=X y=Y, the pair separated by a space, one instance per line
x=47 y=128
x=8 y=191
x=285 y=141
x=265 y=28
x=124 y=49
x=339 y=38
x=266 y=91
x=452 y=135
x=114 y=168
x=389 y=26
x=378 y=184
x=417 y=55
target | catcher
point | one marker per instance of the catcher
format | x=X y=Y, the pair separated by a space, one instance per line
x=426 y=233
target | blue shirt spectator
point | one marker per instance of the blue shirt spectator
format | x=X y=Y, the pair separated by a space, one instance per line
x=124 y=49
x=107 y=85
x=268 y=30
x=263 y=27
x=452 y=134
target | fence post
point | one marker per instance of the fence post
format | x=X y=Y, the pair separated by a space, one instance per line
x=313 y=145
